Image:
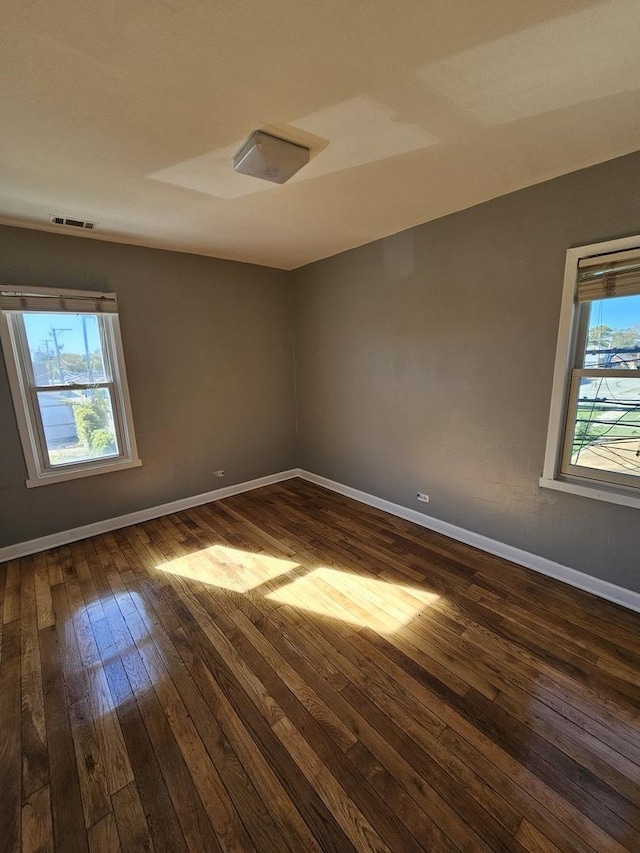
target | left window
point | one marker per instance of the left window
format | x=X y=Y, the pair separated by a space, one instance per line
x=66 y=370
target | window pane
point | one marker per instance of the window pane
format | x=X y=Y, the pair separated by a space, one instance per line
x=613 y=338
x=65 y=348
x=607 y=428
x=78 y=425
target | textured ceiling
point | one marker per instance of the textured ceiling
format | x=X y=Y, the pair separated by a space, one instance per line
x=129 y=113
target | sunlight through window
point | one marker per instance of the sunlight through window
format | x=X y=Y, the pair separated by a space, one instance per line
x=228 y=568
x=364 y=601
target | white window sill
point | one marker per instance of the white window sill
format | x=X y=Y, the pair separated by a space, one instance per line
x=77 y=473
x=598 y=492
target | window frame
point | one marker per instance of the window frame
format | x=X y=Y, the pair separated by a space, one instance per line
x=571 y=335
x=24 y=392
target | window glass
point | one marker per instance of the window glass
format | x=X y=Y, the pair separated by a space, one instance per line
x=65 y=348
x=606 y=421
x=78 y=425
x=606 y=434
x=613 y=336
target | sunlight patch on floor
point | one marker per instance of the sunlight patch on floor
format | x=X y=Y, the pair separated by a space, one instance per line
x=363 y=601
x=228 y=568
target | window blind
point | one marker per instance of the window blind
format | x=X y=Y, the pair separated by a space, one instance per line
x=608 y=279
x=13 y=300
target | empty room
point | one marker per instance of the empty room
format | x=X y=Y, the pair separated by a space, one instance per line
x=320 y=426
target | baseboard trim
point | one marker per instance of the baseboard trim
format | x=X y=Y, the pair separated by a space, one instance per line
x=603 y=589
x=64 y=537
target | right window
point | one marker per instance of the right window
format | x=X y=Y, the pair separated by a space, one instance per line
x=594 y=437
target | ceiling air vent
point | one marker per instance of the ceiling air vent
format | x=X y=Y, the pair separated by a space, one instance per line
x=73 y=223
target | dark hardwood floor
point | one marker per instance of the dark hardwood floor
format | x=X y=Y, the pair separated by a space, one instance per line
x=288 y=670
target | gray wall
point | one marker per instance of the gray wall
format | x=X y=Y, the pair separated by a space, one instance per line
x=208 y=350
x=424 y=363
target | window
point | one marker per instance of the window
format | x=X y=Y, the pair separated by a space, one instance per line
x=593 y=447
x=66 y=370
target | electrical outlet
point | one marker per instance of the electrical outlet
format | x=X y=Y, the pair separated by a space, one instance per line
x=219 y=473
x=422 y=497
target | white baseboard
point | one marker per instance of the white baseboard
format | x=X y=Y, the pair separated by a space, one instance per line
x=618 y=594
x=54 y=540
x=611 y=592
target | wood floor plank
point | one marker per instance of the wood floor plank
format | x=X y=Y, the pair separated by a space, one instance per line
x=11 y=607
x=219 y=778
x=533 y=841
x=131 y=822
x=251 y=683
x=391 y=706
x=392 y=674
x=195 y=822
x=35 y=762
x=293 y=828
x=37 y=831
x=84 y=677
x=505 y=673
x=300 y=791
x=3 y=578
x=612 y=767
x=586 y=791
x=54 y=567
x=389 y=695
x=160 y=815
x=422 y=736
x=425 y=796
x=365 y=799
x=66 y=801
x=353 y=822
x=91 y=772
x=513 y=783
x=495 y=836
x=103 y=836
x=418 y=822
x=291 y=678
x=115 y=758
x=10 y=739
x=43 y=591
x=75 y=676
